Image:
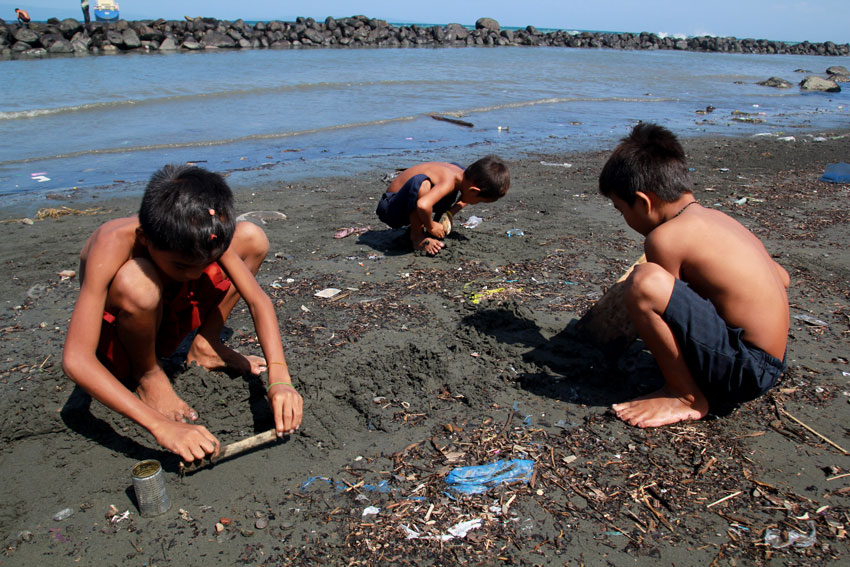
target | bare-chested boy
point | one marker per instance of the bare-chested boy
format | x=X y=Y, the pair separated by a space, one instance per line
x=710 y=302
x=149 y=280
x=428 y=195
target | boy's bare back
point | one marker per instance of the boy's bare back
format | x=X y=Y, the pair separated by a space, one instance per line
x=728 y=265
x=442 y=175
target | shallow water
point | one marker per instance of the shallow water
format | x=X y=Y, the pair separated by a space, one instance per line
x=90 y=122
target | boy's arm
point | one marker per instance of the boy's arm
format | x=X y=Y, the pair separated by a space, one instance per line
x=439 y=188
x=286 y=403
x=80 y=363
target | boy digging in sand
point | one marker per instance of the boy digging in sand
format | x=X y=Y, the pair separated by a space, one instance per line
x=710 y=303
x=147 y=281
x=428 y=195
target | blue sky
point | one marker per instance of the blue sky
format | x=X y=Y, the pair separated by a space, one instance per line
x=788 y=20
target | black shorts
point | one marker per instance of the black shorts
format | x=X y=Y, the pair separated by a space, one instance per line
x=395 y=208
x=727 y=369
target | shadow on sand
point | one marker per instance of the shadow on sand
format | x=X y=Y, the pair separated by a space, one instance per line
x=566 y=366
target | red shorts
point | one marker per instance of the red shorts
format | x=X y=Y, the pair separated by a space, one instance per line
x=183 y=305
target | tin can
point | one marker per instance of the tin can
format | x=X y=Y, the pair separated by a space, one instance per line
x=149 y=485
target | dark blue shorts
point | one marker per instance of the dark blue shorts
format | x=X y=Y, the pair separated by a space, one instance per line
x=395 y=208
x=727 y=369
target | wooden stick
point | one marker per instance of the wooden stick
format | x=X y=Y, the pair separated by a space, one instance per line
x=724 y=499
x=231 y=450
x=452 y=120
x=810 y=430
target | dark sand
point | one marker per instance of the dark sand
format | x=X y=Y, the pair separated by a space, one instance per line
x=404 y=377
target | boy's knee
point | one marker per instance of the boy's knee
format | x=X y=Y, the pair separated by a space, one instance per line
x=136 y=287
x=250 y=240
x=649 y=285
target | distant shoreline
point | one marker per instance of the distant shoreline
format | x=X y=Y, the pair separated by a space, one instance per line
x=72 y=37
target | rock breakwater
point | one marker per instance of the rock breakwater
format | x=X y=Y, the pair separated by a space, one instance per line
x=71 y=37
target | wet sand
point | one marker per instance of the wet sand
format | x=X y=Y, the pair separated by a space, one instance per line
x=422 y=364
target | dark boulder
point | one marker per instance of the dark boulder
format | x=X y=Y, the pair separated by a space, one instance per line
x=487 y=24
x=69 y=27
x=61 y=46
x=818 y=84
x=80 y=47
x=457 y=31
x=130 y=39
x=115 y=38
x=775 y=82
x=168 y=44
x=26 y=35
x=217 y=39
x=313 y=35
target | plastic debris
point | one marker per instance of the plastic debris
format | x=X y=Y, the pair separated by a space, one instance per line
x=41 y=177
x=477 y=297
x=370 y=511
x=552 y=164
x=515 y=232
x=63 y=514
x=836 y=173
x=481 y=478
x=459 y=530
x=773 y=538
x=787 y=139
x=472 y=222
x=811 y=320
x=261 y=216
x=328 y=292
x=348 y=231
x=67 y=274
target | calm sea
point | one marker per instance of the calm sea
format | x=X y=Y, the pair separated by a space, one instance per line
x=102 y=125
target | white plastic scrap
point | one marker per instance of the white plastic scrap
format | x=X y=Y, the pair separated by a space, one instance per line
x=327 y=292
x=459 y=530
x=370 y=511
x=773 y=538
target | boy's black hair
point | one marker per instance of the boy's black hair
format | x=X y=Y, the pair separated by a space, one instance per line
x=188 y=210
x=491 y=175
x=650 y=159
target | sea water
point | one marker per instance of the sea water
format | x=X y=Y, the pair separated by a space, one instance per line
x=98 y=125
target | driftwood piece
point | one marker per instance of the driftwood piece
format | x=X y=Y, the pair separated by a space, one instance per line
x=607 y=323
x=453 y=120
x=231 y=450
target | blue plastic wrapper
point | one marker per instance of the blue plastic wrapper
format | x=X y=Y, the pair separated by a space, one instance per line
x=481 y=478
x=836 y=173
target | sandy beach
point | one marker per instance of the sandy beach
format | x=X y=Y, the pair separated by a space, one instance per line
x=423 y=364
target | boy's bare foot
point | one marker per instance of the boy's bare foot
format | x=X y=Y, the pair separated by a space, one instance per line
x=221 y=357
x=661 y=407
x=429 y=245
x=155 y=390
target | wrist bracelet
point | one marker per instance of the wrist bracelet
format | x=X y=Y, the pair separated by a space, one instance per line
x=268 y=389
x=276 y=362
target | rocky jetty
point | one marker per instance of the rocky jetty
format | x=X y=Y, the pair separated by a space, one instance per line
x=71 y=37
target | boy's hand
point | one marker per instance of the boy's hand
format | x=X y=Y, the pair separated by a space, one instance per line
x=437 y=230
x=191 y=442
x=287 y=408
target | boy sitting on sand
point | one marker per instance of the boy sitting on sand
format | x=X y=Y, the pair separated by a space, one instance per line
x=710 y=303
x=146 y=281
x=428 y=195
